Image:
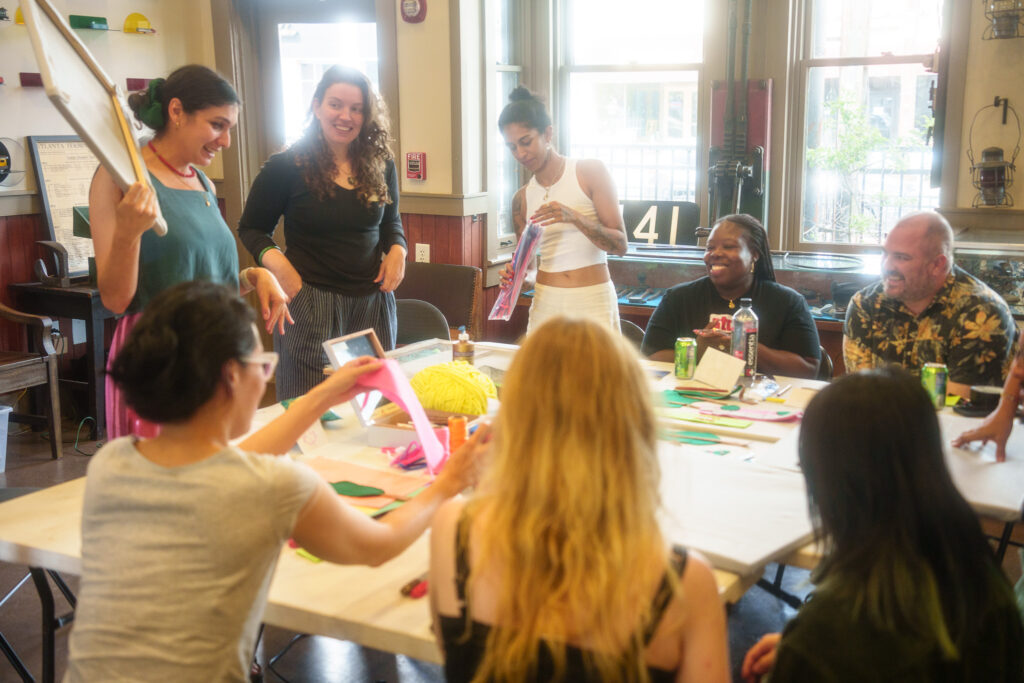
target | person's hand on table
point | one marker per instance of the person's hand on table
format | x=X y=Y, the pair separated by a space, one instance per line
x=273 y=300
x=760 y=659
x=996 y=427
x=554 y=212
x=463 y=467
x=137 y=211
x=392 y=269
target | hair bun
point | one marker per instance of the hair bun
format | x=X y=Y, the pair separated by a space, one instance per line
x=521 y=94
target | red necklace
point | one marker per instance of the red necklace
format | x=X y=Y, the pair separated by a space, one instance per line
x=191 y=171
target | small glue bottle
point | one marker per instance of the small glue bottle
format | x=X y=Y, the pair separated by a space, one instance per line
x=462 y=349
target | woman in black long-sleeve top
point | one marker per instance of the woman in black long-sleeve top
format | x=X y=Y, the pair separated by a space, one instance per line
x=337 y=188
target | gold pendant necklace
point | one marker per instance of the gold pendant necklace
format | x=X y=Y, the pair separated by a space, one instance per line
x=547 y=188
x=732 y=304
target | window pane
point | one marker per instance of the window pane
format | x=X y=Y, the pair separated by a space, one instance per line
x=614 y=32
x=869 y=28
x=508 y=27
x=507 y=167
x=638 y=124
x=308 y=50
x=866 y=162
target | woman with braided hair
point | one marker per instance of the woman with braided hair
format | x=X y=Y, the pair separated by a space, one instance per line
x=739 y=264
x=192 y=112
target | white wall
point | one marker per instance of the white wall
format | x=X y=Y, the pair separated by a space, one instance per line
x=183 y=35
x=994 y=67
x=425 y=97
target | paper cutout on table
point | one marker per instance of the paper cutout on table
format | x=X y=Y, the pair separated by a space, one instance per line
x=759 y=414
x=799 y=398
x=313 y=438
x=396 y=483
x=689 y=415
x=507 y=297
x=699 y=438
x=391 y=381
x=302 y=552
x=354 y=490
x=716 y=370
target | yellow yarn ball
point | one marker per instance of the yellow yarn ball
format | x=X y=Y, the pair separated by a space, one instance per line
x=456 y=387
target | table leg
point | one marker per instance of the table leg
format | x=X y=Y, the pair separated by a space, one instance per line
x=95 y=366
x=49 y=625
x=1004 y=540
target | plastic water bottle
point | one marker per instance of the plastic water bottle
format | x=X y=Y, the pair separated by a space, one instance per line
x=744 y=337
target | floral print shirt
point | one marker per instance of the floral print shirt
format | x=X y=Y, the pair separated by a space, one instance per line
x=967 y=326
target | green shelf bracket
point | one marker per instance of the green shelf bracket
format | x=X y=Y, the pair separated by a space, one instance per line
x=83 y=21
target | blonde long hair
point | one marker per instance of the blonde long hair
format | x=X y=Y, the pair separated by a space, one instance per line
x=567 y=511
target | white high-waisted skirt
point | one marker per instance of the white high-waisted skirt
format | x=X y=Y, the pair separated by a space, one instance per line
x=596 y=302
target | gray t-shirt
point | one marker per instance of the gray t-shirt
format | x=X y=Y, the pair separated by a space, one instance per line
x=176 y=562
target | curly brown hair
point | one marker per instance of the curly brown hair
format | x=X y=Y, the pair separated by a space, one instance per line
x=368 y=153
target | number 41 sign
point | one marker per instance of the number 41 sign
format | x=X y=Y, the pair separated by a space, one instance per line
x=649 y=222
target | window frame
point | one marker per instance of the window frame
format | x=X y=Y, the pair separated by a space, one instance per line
x=713 y=61
x=521 y=34
x=801 y=62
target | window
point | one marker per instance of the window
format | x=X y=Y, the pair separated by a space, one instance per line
x=504 y=52
x=630 y=90
x=506 y=76
x=865 y=161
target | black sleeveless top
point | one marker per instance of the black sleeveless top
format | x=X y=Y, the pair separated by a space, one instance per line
x=462 y=655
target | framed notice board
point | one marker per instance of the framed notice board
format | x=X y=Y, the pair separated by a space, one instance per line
x=64 y=170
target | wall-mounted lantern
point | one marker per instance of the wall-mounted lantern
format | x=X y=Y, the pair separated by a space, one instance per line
x=992 y=175
x=1005 y=19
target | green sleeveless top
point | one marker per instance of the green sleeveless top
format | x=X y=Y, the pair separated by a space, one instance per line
x=198 y=244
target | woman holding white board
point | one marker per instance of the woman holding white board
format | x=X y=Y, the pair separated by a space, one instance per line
x=192 y=113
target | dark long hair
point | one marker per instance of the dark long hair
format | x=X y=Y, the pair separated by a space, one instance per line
x=757 y=242
x=198 y=87
x=902 y=547
x=171 y=362
x=368 y=153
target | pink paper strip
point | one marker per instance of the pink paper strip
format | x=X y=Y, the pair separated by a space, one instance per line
x=390 y=381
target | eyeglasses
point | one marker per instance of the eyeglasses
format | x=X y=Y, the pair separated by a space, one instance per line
x=267 y=360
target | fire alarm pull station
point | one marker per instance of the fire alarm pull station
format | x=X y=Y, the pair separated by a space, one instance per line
x=416 y=165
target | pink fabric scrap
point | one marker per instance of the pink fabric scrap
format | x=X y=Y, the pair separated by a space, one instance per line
x=391 y=382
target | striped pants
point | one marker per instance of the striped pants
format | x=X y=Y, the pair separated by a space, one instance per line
x=321 y=315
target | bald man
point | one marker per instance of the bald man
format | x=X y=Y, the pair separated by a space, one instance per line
x=927 y=310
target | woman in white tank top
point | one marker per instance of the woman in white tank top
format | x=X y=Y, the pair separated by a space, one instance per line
x=575 y=202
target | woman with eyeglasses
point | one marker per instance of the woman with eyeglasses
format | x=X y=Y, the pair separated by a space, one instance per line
x=575 y=202
x=181 y=533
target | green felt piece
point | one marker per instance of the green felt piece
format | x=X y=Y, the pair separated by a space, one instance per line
x=329 y=416
x=720 y=452
x=397 y=503
x=729 y=407
x=677 y=398
x=782 y=413
x=354 y=490
x=697 y=437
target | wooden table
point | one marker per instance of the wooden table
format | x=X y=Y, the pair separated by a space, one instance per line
x=79 y=302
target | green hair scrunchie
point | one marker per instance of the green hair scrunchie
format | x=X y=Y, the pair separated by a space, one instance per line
x=152 y=113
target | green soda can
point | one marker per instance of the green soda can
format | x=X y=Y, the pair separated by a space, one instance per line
x=686 y=357
x=933 y=377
